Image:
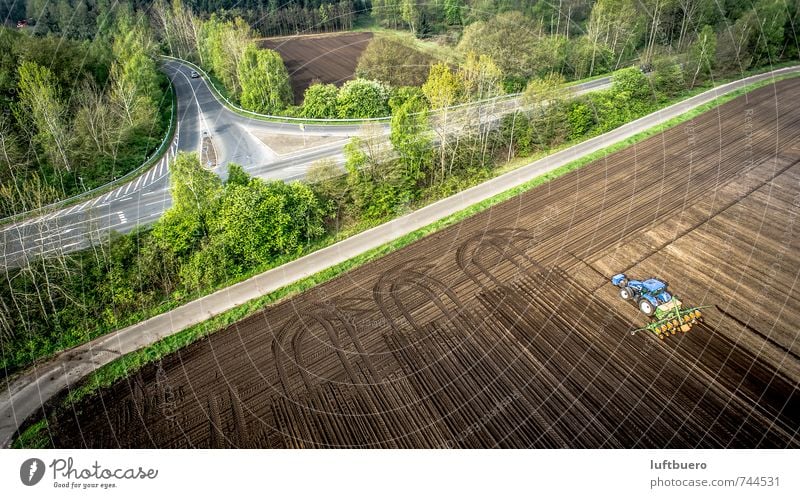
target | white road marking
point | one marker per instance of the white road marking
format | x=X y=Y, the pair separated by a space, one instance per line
x=122 y=217
x=73 y=208
x=138 y=181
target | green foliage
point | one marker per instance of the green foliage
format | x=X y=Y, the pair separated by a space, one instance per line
x=320 y=101
x=237 y=175
x=769 y=17
x=631 y=81
x=581 y=120
x=411 y=138
x=403 y=94
x=394 y=63
x=452 y=10
x=195 y=193
x=82 y=113
x=701 y=55
x=222 y=46
x=360 y=98
x=617 y=26
x=443 y=87
x=667 y=78
x=40 y=103
x=264 y=80
x=585 y=58
x=480 y=78
x=507 y=38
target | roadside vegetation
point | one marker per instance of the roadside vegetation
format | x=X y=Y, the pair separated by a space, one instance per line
x=78 y=112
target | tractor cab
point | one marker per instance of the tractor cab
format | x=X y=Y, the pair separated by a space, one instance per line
x=657 y=290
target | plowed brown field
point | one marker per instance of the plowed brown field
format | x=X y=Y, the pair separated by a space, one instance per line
x=503 y=330
x=330 y=58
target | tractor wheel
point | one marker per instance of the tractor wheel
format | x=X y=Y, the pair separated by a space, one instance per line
x=625 y=293
x=646 y=307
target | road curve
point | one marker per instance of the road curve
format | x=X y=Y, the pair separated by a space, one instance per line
x=145 y=198
x=27 y=393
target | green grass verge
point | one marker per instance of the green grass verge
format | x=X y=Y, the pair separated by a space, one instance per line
x=108 y=374
x=35 y=436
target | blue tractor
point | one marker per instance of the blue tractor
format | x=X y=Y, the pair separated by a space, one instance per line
x=654 y=300
x=647 y=294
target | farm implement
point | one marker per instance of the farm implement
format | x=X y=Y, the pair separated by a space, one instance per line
x=666 y=312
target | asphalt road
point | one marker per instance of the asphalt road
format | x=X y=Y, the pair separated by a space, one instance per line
x=145 y=198
x=26 y=393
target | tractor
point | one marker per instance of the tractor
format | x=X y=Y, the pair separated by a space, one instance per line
x=666 y=312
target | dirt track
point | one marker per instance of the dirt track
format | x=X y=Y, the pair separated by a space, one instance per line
x=504 y=331
x=330 y=58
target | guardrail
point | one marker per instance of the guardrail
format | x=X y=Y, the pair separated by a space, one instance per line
x=149 y=161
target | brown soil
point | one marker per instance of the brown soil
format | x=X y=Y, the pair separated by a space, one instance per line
x=330 y=58
x=504 y=331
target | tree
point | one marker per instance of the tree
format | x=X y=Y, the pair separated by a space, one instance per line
x=667 y=77
x=372 y=181
x=546 y=101
x=393 y=63
x=410 y=13
x=617 y=25
x=264 y=80
x=452 y=11
x=693 y=14
x=264 y=219
x=507 y=38
x=360 y=98
x=329 y=183
x=411 y=138
x=195 y=192
x=632 y=82
x=40 y=103
x=585 y=58
x=387 y=12
x=770 y=17
x=136 y=91
x=320 y=101
x=702 y=54
x=178 y=28
x=223 y=46
x=237 y=175
x=442 y=89
x=480 y=77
